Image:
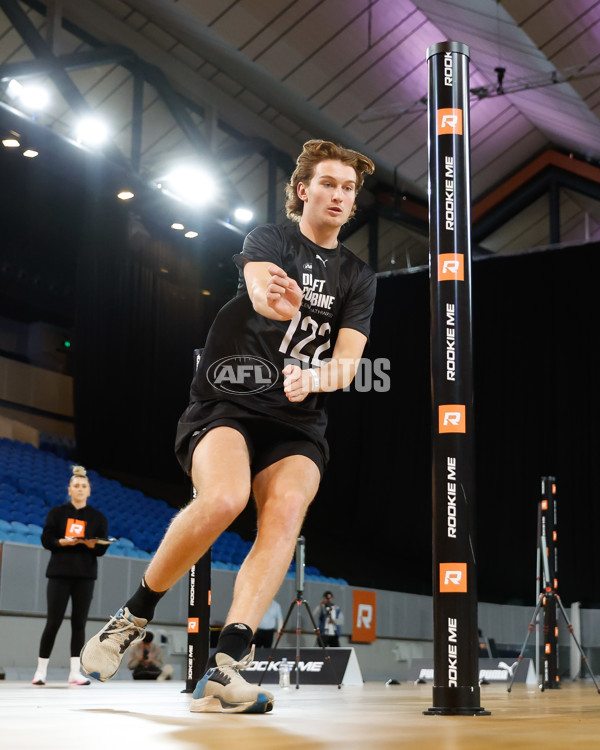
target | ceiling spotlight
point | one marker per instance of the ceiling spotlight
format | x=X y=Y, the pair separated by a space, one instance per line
x=177 y=225
x=30 y=153
x=91 y=131
x=190 y=235
x=10 y=143
x=30 y=96
x=14 y=89
x=243 y=215
x=191 y=185
x=33 y=97
x=125 y=195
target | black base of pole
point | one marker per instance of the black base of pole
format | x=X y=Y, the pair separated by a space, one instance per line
x=190 y=686
x=457 y=712
x=460 y=701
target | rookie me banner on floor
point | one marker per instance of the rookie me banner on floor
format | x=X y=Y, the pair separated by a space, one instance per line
x=314 y=667
x=490 y=670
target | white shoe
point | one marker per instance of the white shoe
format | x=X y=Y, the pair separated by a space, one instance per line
x=38 y=679
x=166 y=674
x=78 y=679
x=102 y=655
x=224 y=690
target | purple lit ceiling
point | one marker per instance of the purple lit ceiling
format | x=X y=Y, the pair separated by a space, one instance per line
x=353 y=71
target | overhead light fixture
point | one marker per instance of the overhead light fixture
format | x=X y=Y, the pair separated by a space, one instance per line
x=243 y=215
x=34 y=97
x=30 y=96
x=10 y=143
x=30 y=153
x=125 y=195
x=190 y=235
x=14 y=88
x=177 y=225
x=91 y=131
x=191 y=185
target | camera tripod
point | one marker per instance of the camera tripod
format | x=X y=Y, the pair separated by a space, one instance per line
x=546 y=596
x=549 y=594
x=297 y=603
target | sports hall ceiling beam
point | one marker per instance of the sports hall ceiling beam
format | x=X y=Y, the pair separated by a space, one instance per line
x=182 y=117
x=197 y=105
x=137 y=118
x=96 y=25
x=75 y=61
x=161 y=77
x=401 y=213
x=245 y=146
x=239 y=67
x=40 y=48
x=549 y=179
x=47 y=63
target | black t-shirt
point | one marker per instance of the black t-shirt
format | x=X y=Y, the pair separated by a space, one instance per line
x=245 y=352
x=74 y=561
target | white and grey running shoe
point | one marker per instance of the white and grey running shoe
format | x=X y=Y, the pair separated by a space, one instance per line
x=102 y=654
x=224 y=690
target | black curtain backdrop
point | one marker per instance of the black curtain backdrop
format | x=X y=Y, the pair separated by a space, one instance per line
x=536 y=406
x=140 y=314
x=536 y=402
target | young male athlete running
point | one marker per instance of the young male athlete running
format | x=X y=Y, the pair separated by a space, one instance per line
x=256 y=419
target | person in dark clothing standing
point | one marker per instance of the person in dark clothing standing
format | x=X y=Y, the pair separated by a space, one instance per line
x=71 y=533
x=330 y=620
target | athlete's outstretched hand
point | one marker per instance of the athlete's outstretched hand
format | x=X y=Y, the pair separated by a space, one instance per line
x=283 y=294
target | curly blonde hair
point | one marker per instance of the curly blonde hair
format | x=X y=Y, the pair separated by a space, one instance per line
x=316 y=151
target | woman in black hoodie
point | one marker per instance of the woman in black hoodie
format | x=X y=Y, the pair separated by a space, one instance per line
x=71 y=533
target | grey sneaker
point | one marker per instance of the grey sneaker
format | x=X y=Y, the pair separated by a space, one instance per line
x=224 y=690
x=102 y=654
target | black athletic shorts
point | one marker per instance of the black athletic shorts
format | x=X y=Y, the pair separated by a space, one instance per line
x=268 y=439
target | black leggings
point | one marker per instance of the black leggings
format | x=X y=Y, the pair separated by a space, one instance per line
x=80 y=590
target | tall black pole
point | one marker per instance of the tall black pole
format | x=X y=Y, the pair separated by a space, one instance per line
x=199 y=594
x=548 y=550
x=455 y=636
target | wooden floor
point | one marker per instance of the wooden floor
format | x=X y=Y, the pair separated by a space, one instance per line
x=148 y=716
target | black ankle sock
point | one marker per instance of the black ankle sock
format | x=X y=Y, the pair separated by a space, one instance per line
x=144 y=601
x=233 y=641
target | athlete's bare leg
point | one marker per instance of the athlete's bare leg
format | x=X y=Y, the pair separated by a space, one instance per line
x=221 y=476
x=283 y=492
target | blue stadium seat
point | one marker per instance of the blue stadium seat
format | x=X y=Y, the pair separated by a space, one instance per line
x=32 y=481
x=18 y=538
x=9 y=477
x=126 y=543
x=20 y=527
x=7 y=490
